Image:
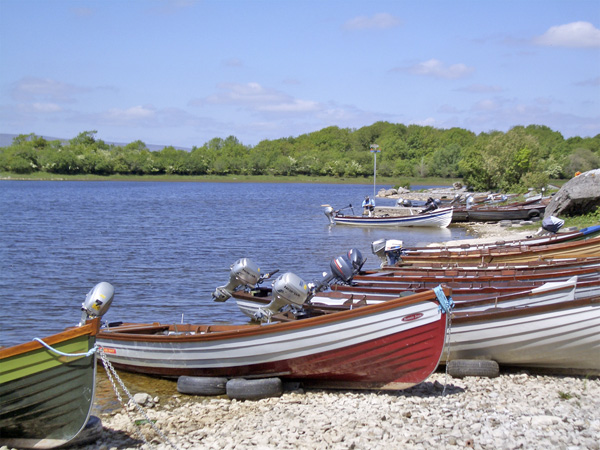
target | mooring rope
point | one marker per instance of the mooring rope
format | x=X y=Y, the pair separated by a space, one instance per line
x=90 y=352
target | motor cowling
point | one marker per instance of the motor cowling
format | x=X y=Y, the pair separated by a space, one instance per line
x=97 y=301
x=244 y=272
x=388 y=251
x=356 y=258
x=288 y=289
x=342 y=268
x=329 y=211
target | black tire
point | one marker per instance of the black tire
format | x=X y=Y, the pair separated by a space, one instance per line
x=460 y=368
x=533 y=213
x=242 y=389
x=90 y=433
x=201 y=385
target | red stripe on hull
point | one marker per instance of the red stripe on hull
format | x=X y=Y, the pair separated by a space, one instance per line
x=405 y=357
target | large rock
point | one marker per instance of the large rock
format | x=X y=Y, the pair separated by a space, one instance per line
x=579 y=195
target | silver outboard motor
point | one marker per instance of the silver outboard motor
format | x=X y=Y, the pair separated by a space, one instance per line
x=97 y=301
x=243 y=272
x=389 y=251
x=329 y=213
x=288 y=289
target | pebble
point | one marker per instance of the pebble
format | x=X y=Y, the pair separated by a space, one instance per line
x=512 y=411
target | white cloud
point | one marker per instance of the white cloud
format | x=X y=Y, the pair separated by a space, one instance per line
x=589 y=82
x=575 y=34
x=486 y=105
x=254 y=97
x=46 y=107
x=438 y=69
x=129 y=114
x=480 y=89
x=295 y=105
x=378 y=21
x=32 y=88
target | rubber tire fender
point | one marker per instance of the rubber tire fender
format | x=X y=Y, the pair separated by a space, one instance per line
x=459 y=368
x=255 y=389
x=201 y=385
x=533 y=213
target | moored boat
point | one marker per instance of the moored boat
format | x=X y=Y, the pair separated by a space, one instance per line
x=47 y=385
x=440 y=218
x=564 y=336
x=572 y=249
x=392 y=345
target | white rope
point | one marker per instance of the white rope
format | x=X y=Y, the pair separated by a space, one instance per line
x=90 y=352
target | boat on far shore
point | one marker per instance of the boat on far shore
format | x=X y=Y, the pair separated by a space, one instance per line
x=440 y=218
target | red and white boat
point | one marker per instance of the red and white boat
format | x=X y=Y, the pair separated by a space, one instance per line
x=391 y=345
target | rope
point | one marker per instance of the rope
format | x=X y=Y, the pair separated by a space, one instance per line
x=110 y=372
x=90 y=352
x=446 y=304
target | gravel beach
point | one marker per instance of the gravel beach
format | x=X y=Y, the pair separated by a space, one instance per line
x=518 y=409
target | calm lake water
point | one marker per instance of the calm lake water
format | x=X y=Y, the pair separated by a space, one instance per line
x=164 y=246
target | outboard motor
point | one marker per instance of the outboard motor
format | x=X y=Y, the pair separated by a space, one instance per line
x=329 y=213
x=288 y=289
x=388 y=251
x=357 y=260
x=97 y=301
x=243 y=272
x=552 y=224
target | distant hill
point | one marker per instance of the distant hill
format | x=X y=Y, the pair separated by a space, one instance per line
x=7 y=140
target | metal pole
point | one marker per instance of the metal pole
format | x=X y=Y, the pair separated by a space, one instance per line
x=374 y=150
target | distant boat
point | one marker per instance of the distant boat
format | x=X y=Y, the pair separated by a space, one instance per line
x=391 y=345
x=520 y=211
x=437 y=218
x=45 y=396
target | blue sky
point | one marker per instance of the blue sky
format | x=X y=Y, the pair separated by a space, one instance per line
x=181 y=72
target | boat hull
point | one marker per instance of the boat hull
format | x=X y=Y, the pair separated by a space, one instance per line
x=560 y=336
x=380 y=346
x=439 y=218
x=46 y=399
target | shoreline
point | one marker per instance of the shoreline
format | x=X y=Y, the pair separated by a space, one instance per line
x=514 y=410
x=518 y=409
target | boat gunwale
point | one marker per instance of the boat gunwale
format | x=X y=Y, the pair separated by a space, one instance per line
x=91 y=328
x=238 y=331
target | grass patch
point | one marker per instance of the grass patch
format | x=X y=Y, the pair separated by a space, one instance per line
x=382 y=182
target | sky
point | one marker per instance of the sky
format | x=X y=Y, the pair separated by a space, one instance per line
x=182 y=72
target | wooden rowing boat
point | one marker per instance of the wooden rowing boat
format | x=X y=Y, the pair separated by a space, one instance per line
x=438 y=218
x=498 y=213
x=471 y=295
x=563 y=335
x=576 y=249
x=45 y=398
x=391 y=345
x=47 y=385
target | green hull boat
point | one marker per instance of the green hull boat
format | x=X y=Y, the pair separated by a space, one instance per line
x=46 y=398
x=47 y=385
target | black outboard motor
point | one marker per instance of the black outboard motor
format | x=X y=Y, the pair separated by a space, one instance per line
x=430 y=205
x=357 y=260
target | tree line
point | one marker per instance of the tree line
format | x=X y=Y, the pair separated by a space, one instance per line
x=501 y=161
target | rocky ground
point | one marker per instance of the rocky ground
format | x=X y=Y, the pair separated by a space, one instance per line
x=516 y=410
